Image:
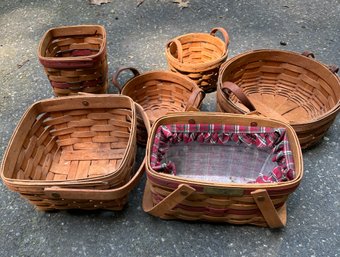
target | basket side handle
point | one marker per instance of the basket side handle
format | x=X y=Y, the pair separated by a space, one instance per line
x=223 y=32
x=333 y=68
x=98 y=194
x=175 y=45
x=118 y=72
x=195 y=99
x=274 y=218
x=237 y=91
x=168 y=203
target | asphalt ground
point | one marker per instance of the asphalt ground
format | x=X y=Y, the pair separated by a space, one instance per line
x=137 y=34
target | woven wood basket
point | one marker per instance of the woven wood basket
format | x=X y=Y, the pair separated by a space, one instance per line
x=198 y=56
x=74 y=152
x=159 y=93
x=173 y=197
x=282 y=85
x=74 y=59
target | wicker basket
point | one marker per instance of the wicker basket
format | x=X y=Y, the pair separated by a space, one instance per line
x=189 y=197
x=282 y=85
x=74 y=59
x=74 y=152
x=198 y=56
x=159 y=93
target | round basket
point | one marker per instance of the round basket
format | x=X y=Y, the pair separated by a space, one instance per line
x=198 y=56
x=159 y=93
x=282 y=85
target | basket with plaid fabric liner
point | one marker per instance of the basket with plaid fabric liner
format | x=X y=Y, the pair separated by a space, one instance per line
x=222 y=168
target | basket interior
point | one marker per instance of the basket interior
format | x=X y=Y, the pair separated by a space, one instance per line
x=200 y=48
x=223 y=153
x=295 y=93
x=160 y=93
x=73 y=42
x=72 y=144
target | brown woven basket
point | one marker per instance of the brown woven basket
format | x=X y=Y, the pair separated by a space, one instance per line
x=174 y=197
x=74 y=59
x=198 y=56
x=159 y=93
x=74 y=152
x=282 y=85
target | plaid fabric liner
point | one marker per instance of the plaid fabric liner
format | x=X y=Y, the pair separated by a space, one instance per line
x=274 y=140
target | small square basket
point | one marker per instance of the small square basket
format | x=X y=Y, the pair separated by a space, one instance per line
x=195 y=170
x=75 y=152
x=74 y=59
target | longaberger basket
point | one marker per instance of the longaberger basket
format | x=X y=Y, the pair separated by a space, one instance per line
x=159 y=93
x=75 y=152
x=198 y=56
x=282 y=85
x=222 y=168
x=74 y=59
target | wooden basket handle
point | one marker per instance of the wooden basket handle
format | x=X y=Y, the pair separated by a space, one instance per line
x=237 y=91
x=332 y=68
x=196 y=94
x=176 y=43
x=168 y=203
x=223 y=32
x=274 y=218
x=97 y=194
x=116 y=75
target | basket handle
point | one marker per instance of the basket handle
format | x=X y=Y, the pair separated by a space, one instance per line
x=237 y=91
x=179 y=48
x=332 y=68
x=168 y=203
x=308 y=54
x=117 y=73
x=97 y=194
x=196 y=94
x=223 y=32
x=274 y=218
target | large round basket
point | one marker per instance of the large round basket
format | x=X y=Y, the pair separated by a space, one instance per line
x=159 y=93
x=198 y=56
x=282 y=85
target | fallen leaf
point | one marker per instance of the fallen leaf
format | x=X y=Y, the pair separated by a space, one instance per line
x=181 y=3
x=140 y=2
x=99 y=2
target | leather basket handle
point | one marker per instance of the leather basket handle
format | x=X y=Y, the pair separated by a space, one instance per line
x=228 y=87
x=223 y=32
x=332 y=68
x=176 y=46
x=97 y=194
x=308 y=54
x=168 y=203
x=118 y=72
x=196 y=94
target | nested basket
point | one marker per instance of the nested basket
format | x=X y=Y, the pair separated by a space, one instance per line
x=159 y=93
x=222 y=168
x=282 y=85
x=74 y=152
x=74 y=59
x=198 y=56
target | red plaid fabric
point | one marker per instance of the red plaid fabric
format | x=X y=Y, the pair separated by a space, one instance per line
x=178 y=136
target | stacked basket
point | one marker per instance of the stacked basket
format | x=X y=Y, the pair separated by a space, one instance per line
x=75 y=152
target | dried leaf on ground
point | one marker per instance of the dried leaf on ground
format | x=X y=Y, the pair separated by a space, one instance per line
x=181 y=3
x=140 y=2
x=99 y=2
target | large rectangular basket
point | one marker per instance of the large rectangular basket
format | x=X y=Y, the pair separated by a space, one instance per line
x=222 y=168
x=74 y=59
x=81 y=143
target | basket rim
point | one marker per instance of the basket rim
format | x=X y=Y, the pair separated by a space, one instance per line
x=180 y=180
x=224 y=66
x=199 y=66
x=97 y=180
x=70 y=59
